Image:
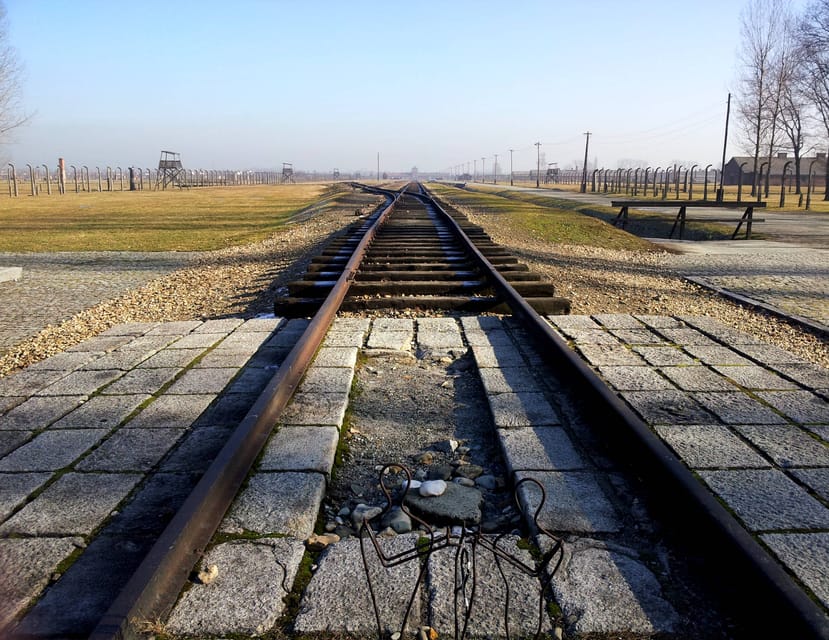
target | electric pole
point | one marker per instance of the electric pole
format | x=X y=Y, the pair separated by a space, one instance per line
x=720 y=192
x=584 y=169
x=378 y=166
x=510 y=166
x=474 y=170
x=483 y=170
x=495 y=171
x=537 y=164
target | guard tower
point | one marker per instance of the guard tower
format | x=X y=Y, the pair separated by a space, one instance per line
x=287 y=173
x=169 y=169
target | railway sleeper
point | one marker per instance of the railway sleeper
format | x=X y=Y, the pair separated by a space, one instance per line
x=296 y=307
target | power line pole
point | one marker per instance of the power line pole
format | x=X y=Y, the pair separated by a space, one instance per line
x=720 y=192
x=495 y=171
x=378 y=166
x=537 y=164
x=584 y=169
x=474 y=169
x=510 y=166
x=483 y=170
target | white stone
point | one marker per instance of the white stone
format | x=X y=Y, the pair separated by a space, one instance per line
x=433 y=488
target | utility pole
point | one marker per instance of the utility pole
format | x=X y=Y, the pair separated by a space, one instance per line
x=537 y=163
x=495 y=171
x=474 y=169
x=483 y=170
x=720 y=192
x=510 y=166
x=584 y=169
x=378 y=166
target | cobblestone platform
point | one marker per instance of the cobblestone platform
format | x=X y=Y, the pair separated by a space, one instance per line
x=132 y=417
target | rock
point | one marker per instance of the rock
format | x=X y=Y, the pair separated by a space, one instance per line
x=344 y=531
x=446 y=446
x=330 y=526
x=364 y=512
x=490 y=526
x=432 y=488
x=398 y=520
x=458 y=505
x=318 y=543
x=470 y=471
x=440 y=472
x=357 y=489
x=208 y=574
x=388 y=532
x=420 y=474
x=344 y=512
x=462 y=451
x=464 y=482
x=486 y=482
x=427 y=457
x=415 y=484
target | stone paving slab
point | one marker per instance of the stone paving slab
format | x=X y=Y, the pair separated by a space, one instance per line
x=15 y=489
x=51 y=450
x=74 y=505
x=787 y=445
x=575 y=502
x=171 y=411
x=337 y=598
x=285 y=503
x=698 y=378
x=523 y=409
x=492 y=592
x=508 y=379
x=667 y=407
x=326 y=409
x=756 y=378
x=336 y=357
x=101 y=412
x=10 y=440
x=616 y=355
x=710 y=446
x=539 y=448
x=120 y=359
x=500 y=356
x=295 y=448
x=131 y=450
x=636 y=336
x=618 y=321
x=198 y=340
x=605 y=589
x=815 y=479
x=387 y=339
x=31 y=562
x=627 y=378
x=148 y=381
x=800 y=406
x=327 y=380
x=197 y=450
x=177 y=328
x=664 y=356
x=101 y=344
x=805 y=554
x=247 y=595
x=82 y=383
x=244 y=342
x=200 y=381
x=63 y=362
x=737 y=408
x=171 y=358
x=38 y=412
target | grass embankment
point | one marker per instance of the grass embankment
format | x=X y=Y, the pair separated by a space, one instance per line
x=645 y=224
x=545 y=219
x=198 y=219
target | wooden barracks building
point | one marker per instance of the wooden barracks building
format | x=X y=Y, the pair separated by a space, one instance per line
x=778 y=163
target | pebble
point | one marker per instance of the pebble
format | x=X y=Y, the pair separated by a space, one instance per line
x=388 y=532
x=344 y=531
x=344 y=512
x=330 y=526
x=318 y=543
x=441 y=472
x=398 y=520
x=420 y=474
x=465 y=482
x=470 y=471
x=447 y=446
x=486 y=482
x=433 y=488
x=364 y=512
x=415 y=484
x=427 y=457
x=462 y=451
x=208 y=574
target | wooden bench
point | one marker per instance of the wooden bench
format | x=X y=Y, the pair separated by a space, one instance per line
x=747 y=218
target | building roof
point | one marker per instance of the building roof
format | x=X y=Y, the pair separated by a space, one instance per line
x=777 y=164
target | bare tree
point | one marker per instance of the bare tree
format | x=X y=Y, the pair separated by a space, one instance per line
x=759 y=31
x=813 y=33
x=11 y=113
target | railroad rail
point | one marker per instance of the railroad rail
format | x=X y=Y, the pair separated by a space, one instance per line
x=342 y=281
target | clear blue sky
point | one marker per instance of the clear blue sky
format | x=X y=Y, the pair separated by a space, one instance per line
x=252 y=84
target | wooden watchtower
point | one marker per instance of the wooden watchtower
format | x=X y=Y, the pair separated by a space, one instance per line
x=169 y=169
x=287 y=173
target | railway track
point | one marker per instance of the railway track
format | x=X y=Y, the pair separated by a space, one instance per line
x=414 y=254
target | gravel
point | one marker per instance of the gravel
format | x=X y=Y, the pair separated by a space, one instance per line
x=242 y=281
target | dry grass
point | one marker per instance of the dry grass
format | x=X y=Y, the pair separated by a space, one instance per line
x=200 y=219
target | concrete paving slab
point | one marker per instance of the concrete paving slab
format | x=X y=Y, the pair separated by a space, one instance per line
x=121 y=359
x=102 y=344
x=171 y=412
x=568 y=323
x=247 y=595
x=755 y=378
x=105 y=412
x=599 y=355
x=52 y=450
x=767 y=499
x=38 y=412
x=482 y=323
x=737 y=408
x=593 y=336
x=788 y=445
x=820 y=430
x=769 y=354
x=815 y=479
x=261 y=325
x=201 y=381
x=667 y=407
x=396 y=340
x=351 y=324
x=688 y=337
x=523 y=409
x=508 y=380
x=637 y=336
x=710 y=446
x=264 y=358
x=10 y=440
x=66 y=361
x=197 y=450
x=634 y=378
x=15 y=488
x=148 y=381
x=74 y=505
x=150 y=343
x=198 y=340
x=716 y=355
x=10 y=274
x=153 y=506
x=666 y=356
x=327 y=409
x=698 y=378
x=436 y=342
x=251 y=380
x=539 y=448
x=492 y=593
x=801 y=406
x=609 y=590
x=81 y=383
x=131 y=450
x=500 y=356
x=31 y=562
x=353 y=338
x=493 y=338
x=618 y=321
x=284 y=502
x=7 y=403
x=337 y=598
x=575 y=502
x=659 y=322
x=336 y=357
x=220 y=358
x=171 y=358
x=129 y=329
x=395 y=325
x=244 y=341
x=721 y=332
x=327 y=380
x=222 y=325
x=805 y=555
x=179 y=328
x=301 y=449
x=285 y=338
x=227 y=411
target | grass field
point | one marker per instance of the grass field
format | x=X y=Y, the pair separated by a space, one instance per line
x=173 y=220
x=547 y=219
